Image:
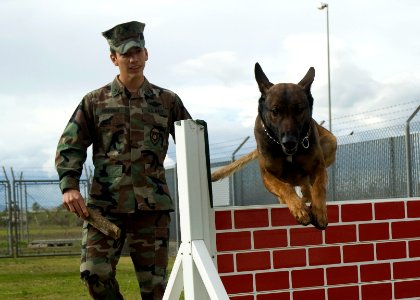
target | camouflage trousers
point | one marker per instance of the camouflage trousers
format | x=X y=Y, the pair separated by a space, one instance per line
x=147 y=237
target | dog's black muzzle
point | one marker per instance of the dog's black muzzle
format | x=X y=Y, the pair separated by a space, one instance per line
x=289 y=144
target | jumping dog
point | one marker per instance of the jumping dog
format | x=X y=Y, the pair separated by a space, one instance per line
x=292 y=148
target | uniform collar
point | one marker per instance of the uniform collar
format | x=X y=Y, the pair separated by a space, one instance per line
x=117 y=88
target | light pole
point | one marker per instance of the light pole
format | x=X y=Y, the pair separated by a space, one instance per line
x=321 y=7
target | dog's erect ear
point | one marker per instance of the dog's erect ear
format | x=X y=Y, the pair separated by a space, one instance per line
x=263 y=83
x=306 y=82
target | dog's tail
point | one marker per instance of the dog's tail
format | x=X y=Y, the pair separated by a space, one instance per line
x=231 y=168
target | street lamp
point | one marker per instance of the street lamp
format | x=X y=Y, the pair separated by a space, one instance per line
x=321 y=7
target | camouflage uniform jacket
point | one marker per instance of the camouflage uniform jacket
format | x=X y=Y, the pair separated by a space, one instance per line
x=129 y=134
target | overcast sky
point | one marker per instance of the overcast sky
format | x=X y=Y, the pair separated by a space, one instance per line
x=53 y=53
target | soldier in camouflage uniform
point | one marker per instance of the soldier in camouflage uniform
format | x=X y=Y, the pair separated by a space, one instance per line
x=128 y=122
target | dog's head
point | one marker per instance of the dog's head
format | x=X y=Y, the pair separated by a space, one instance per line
x=285 y=109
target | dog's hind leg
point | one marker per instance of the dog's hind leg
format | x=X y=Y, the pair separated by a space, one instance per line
x=286 y=194
x=328 y=144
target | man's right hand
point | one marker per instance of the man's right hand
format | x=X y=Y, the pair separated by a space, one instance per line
x=74 y=202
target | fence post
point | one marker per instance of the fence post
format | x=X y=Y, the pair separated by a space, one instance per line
x=15 y=216
x=10 y=215
x=408 y=153
x=232 y=178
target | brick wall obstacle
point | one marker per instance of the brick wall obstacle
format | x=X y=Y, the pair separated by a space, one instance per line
x=370 y=250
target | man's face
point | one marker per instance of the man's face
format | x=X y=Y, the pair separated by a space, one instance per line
x=131 y=63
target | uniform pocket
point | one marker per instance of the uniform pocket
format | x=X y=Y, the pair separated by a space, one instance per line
x=112 y=116
x=113 y=133
x=105 y=120
x=155 y=127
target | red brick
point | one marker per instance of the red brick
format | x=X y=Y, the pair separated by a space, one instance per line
x=342 y=275
x=377 y=291
x=340 y=234
x=414 y=248
x=413 y=209
x=235 y=284
x=407 y=289
x=271 y=281
x=374 y=231
x=223 y=220
x=305 y=236
x=309 y=294
x=375 y=272
x=270 y=238
x=324 y=256
x=252 y=261
x=356 y=212
x=229 y=241
x=344 y=293
x=389 y=210
x=274 y=296
x=333 y=212
x=391 y=250
x=246 y=297
x=289 y=258
x=250 y=218
x=225 y=263
x=307 y=278
x=408 y=229
x=406 y=269
x=357 y=253
x=282 y=217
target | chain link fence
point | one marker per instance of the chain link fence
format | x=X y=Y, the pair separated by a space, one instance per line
x=34 y=221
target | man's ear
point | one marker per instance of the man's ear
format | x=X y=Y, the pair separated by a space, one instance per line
x=113 y=58
x=147 y=54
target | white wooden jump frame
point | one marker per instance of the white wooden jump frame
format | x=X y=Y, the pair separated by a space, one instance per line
x=194 y=270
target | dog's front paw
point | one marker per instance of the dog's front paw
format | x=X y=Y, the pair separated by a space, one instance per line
x=319 y=217
x=302 y=214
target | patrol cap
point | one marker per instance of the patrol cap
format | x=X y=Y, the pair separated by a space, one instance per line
x=124 y=36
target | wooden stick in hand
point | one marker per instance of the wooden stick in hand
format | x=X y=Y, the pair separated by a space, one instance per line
x=103 y=224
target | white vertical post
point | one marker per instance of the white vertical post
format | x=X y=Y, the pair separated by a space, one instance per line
x=200 y=278
x=193 y=193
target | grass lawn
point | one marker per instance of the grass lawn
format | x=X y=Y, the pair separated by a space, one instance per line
x=56 y=278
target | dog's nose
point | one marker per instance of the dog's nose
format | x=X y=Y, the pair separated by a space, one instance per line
x=289 y=144
x=289 y=141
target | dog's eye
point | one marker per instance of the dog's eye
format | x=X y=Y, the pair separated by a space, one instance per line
x=275 y=111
